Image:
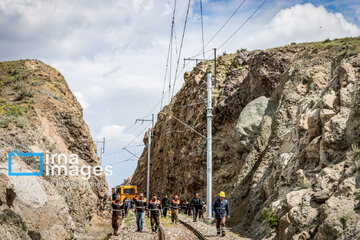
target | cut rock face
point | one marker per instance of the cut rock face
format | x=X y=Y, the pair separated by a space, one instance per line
x=39 y=113
x=286 y=138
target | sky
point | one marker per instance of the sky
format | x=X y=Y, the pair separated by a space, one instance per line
x=113 y=52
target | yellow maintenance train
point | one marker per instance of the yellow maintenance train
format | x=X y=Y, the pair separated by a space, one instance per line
x=131 y=191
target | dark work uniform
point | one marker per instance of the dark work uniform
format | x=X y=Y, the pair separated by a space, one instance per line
x=165 y=202
x=116 y=215
x=221 y=209
x=154 y=209
x=196 y=205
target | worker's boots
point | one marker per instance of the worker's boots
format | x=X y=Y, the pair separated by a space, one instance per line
x=218 y=232
x=223 y=234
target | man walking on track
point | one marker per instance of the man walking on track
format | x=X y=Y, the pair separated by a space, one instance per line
x=140 y=208
x=165 y=202
x=116 y=214
x=196 y=205
x=221 y=211
x=126 y=206
x=155 y=209
x=175 y=206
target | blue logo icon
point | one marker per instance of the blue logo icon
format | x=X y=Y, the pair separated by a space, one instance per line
x=16 y=153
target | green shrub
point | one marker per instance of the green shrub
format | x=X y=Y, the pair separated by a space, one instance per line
x=326 y=40
x=34 y=235
x=9 y=216
x=355 y=154
x=293 y=43
x=25 y=92
x=107 y=237
x=270 y=217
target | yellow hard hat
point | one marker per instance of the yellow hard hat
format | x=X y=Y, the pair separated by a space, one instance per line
x=222 y=194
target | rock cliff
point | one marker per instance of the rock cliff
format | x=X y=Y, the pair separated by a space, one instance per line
x=286 y=135
x=38 y=113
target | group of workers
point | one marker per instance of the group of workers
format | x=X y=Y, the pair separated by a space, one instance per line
x=154 y=209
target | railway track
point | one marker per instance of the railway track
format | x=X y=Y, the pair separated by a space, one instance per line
x=192 y=229
x=162 y=235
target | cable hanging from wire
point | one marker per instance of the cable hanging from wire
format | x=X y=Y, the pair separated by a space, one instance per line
x=181 y=45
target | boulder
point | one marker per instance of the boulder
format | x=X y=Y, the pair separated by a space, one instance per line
x=328 y=101
x=321 y=196
x=326 y=114
x=314 y=128
x=7 y=194
x=313 y=149
x=248 y=124
x=294 y=198
x=334 y=130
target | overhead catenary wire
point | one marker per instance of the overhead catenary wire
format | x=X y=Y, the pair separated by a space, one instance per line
x=226 y=22
x=202 y=29
x=135 y=137
x=180 y=49
x=169 y=55
x=219 y=30
x=188 y=126
x=126 y=160
x=242 y=25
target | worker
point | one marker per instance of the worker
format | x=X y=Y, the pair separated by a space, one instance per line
x=175 y=206
x=196 y=205
x=133 y=200
x=116 y=214
x=114 y=194
x=165 y=202
x=140 y=209
x=154 y=208
x=221 y=211
x=126 y=206
x=202 y=211
x=189 y=210
x=184 y=206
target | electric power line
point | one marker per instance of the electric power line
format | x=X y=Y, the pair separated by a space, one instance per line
x=242 y=25
x=135 y=137
x=181 y=45
x=226 y=22
x=220 y=29
x=188 y=126
x=202 y=29
x=168 y=54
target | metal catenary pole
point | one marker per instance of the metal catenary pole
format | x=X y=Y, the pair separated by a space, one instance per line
x=102 y=149
x=149 y=154
x=209 y=146
x=148 y=172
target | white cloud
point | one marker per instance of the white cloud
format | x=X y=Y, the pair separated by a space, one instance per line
x=113 y=54
x=115 y=132
x=302 y=23
x=82 y=100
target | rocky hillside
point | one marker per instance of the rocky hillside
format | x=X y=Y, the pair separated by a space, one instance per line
x=286 y=142
x=38 y=113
